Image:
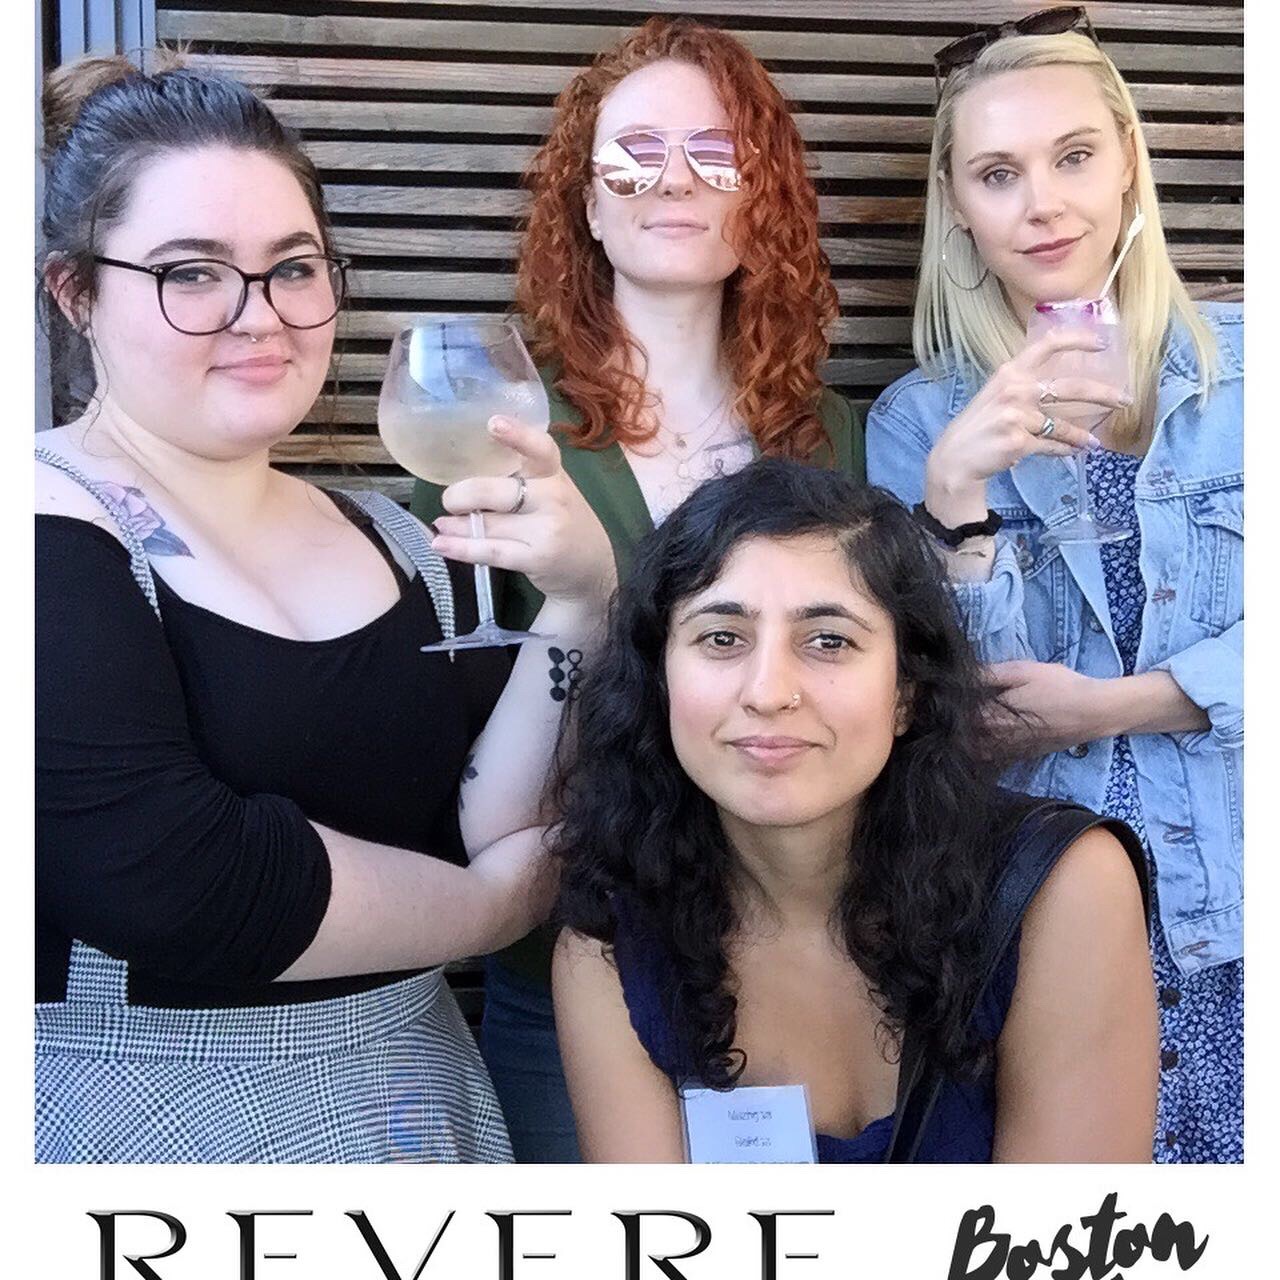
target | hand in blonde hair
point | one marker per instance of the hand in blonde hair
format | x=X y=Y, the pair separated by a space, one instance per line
x=1004 y=422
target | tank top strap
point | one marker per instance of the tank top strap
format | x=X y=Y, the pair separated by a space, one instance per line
x=411 y=536
x=139 y=565
x=648 y=978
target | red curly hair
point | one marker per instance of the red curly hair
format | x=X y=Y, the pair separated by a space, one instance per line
x=776 y=304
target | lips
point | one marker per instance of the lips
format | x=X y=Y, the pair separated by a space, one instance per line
x=1052 y=250
x=255 y=370
x=771 y=749
x=675 y=228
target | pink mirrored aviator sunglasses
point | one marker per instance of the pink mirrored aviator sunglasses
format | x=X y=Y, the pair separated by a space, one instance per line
x=630 y=163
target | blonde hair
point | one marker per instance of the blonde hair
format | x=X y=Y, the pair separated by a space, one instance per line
x=976 y=329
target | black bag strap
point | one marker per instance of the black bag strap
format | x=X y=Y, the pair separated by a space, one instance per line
x=1044 y=834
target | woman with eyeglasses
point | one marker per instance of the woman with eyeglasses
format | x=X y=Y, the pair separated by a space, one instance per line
x=1124 y=658
x=676 y=298
x=251 y=863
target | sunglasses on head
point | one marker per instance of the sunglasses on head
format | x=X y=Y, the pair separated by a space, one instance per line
x=1045 y=22
x=630 y=163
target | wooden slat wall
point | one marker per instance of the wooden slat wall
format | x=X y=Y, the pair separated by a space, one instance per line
x=421 y=115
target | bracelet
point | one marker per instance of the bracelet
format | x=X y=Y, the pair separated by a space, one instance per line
x=961 y=533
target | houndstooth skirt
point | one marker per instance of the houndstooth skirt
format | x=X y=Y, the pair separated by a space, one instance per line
x=390 y=1075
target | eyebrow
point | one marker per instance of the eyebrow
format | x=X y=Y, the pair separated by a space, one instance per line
x=985 y=157
x=735 y=609
x=219 y=248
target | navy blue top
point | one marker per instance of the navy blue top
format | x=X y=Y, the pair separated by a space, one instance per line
x=1112 y=478
x=962 y=1127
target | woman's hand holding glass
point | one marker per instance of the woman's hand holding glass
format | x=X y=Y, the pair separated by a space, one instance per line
x=1005 y=422
x=443 y=415
x=537 y=523
x=1107 y=360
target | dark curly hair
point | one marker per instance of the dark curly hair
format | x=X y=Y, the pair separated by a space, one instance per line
x=640 y=840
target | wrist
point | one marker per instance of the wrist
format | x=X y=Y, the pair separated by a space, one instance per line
x=971 y=562
x=955 y=536
x=1116 y=706
x=574 y=621
x=952 y=498
x=1154 y=702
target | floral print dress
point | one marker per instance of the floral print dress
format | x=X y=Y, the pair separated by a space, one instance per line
x=1200 y=1114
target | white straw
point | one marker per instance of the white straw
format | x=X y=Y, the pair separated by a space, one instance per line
x=1139 y=221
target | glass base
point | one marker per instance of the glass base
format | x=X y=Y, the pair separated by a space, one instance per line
x=1083 y=529
x=488 y=635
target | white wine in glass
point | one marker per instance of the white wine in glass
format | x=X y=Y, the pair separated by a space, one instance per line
x=445 y=379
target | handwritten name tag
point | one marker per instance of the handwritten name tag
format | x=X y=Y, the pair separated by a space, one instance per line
x=753 y=1124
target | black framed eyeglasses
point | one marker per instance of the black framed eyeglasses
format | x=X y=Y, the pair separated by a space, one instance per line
x=1044 y=22
x=200 y=296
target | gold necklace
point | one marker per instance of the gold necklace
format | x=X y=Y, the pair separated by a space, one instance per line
x=680 y=439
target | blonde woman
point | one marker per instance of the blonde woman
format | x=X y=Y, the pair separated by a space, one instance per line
x=1125 y=659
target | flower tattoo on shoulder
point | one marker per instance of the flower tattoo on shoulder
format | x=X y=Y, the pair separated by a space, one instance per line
x=141 y=519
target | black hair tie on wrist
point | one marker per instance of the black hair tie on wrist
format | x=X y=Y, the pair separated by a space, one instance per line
x=961 y=533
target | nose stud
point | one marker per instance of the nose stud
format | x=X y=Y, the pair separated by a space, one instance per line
x=795 y=701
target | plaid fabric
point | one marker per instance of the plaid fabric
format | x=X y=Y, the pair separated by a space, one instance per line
x=391 y=1075
x=94 y=977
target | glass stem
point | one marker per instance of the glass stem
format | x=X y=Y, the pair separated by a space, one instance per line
x=1083 y=510
x=484 y=589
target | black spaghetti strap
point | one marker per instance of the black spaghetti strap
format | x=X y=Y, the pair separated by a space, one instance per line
x=1044 y=834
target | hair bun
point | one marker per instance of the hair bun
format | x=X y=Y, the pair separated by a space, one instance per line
x=68 y=87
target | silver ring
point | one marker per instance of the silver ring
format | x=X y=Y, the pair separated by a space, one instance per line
x=521 y=490
x=1047 y=430
x=1047 y=394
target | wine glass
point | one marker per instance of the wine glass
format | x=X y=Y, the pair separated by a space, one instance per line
x=445 y=379
x=1110 y=365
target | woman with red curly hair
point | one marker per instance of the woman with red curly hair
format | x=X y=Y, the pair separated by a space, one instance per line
x=676 y=298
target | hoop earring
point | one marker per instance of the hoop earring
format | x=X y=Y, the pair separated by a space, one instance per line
x=946 y=270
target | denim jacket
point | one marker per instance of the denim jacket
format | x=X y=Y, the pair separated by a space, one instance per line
x=1050 y=604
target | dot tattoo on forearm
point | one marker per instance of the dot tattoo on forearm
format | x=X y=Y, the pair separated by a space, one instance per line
x=566 y=670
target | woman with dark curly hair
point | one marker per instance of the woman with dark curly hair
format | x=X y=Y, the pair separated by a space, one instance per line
x=781 y=837
x=676 y=298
